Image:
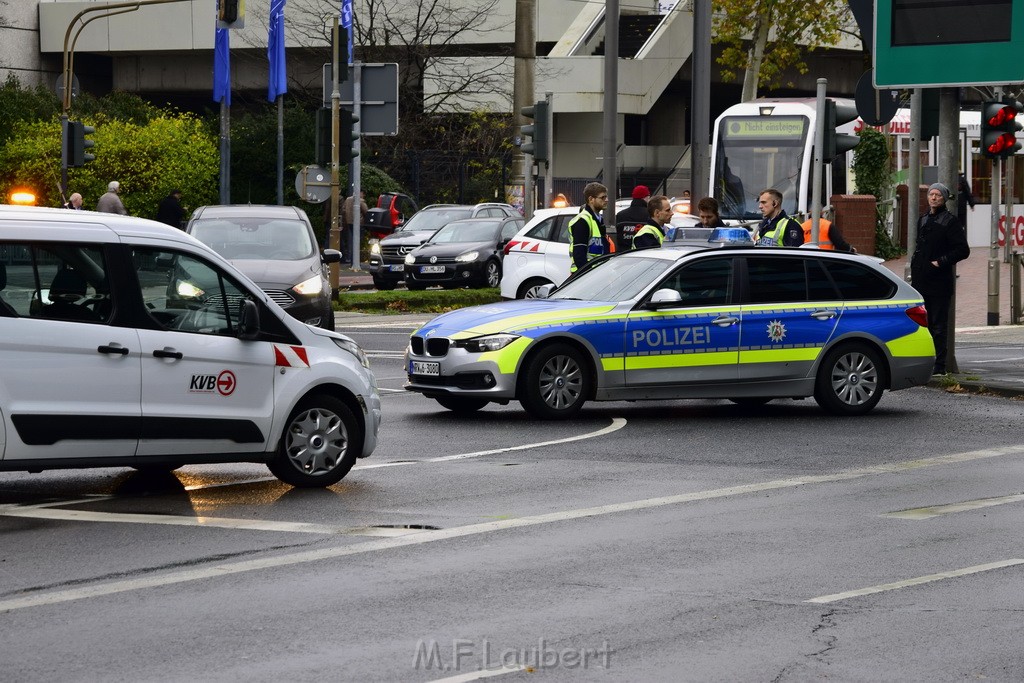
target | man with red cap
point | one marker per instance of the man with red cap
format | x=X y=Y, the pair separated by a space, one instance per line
x=632 y=218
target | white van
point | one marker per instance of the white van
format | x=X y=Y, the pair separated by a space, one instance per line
x=125 y=342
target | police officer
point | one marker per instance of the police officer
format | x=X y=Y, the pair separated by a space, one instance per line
x=652 y=233
x=586 y=235
x=777 y=229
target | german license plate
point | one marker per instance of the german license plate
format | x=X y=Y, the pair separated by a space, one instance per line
x=431 y=269
x=397 y=269
x=418 y=367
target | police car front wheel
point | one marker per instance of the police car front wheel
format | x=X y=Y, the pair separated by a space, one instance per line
x=850 y=380
x=319 y=445
x=556 y=382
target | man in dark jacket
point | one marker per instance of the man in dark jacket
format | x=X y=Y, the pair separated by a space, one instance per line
x=632 y=218
x=777 y=229
x=170 y=210
x=941 y=242
x=707 y=212
x=652 y=233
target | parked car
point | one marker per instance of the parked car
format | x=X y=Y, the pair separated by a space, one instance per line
x=467 y=252
x=276 y=247
x=127 y=343
x=539 y=254
x=714 y=321
x=393 y=210
x=387 y=256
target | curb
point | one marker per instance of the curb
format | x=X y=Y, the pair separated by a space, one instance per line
x=978 y=388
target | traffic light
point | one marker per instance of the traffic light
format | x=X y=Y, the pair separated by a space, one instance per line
x=999 y=128
x=838 y=114
x=348 y=137
x=77 y=155
x=538 y=130
x=230 y=13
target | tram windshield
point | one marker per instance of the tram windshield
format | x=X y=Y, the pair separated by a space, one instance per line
x=755 y=153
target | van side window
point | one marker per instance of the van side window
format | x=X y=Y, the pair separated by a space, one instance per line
x=184 y=293
x=54 y=282
x=541 y=231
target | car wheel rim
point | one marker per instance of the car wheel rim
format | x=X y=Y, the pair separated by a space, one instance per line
x=492 y=275
x=561 y=382
x=532 y=292
x=854 y=379
x=317 y=441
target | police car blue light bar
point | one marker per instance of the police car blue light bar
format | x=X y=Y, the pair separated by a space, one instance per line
x=730 y=236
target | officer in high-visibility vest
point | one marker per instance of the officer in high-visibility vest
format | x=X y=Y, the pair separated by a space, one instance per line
x=586 y=236
x=777 y=229
x=652 y=233
x=829 y=236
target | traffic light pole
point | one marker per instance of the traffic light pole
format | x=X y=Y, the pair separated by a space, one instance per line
x=817 y=167
x=355 y=166
x=334 y=239
x=993 y=251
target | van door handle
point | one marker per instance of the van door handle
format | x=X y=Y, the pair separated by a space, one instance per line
x=168 y=353
x=109 y=348
x=725 y=320
x=824 y=315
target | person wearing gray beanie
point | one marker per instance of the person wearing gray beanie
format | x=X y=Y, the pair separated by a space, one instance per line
x=941 y=242
x=941 y=188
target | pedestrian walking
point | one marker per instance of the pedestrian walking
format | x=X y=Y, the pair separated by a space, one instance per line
x=170 y=210
x=964 y=198
x=74 y=202
x=110 y=202
x=941 y=242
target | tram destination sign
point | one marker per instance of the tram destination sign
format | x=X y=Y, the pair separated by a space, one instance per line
x=765 y=127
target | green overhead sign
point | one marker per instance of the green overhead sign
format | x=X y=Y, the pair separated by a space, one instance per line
x=936 y=43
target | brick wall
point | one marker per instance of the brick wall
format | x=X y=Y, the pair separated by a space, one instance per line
x=855 y=216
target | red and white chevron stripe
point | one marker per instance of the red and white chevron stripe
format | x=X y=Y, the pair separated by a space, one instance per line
x=290 y=356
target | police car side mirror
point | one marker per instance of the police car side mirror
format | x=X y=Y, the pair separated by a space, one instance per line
x=544 y=291
x=248 y=320
x=664 y=298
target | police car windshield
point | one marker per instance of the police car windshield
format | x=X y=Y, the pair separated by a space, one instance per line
x=616 y=279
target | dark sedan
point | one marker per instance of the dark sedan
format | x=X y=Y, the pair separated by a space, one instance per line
x=462 y=253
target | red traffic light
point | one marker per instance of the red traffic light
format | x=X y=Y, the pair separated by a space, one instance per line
x=1005 y=143
x=1003 y=116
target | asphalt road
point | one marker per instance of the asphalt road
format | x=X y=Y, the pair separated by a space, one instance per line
x=683 y=540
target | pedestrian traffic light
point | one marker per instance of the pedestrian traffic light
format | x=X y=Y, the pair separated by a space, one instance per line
x=838 y=113
x=348 y=137
x=77 y=155
x=538 y=131
x=999 y=126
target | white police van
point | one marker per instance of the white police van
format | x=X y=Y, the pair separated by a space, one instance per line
x=125 y=342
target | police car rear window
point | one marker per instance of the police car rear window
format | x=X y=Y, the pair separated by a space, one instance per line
x=859 y=282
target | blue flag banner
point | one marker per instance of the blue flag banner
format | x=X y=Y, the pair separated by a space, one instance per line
x=278 y=82
x=222 y=67
x=346 y=22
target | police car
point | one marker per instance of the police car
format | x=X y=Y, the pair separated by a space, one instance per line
x=712 y=321
x=126 y=342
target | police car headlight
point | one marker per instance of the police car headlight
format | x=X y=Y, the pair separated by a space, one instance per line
x=310 y=287
x=409 y=259
x=492 y=342
x=354 y=349
x=375 y=248
x=467 y=257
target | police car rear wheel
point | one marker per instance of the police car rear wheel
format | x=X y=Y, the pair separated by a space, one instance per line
x=850 y=380
x=462 y=404
x=556 y=383
x=319 y=444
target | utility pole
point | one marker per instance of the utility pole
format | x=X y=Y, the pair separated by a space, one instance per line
x=611 y=108
x=700 y=103
x=335 y=233
x=522 y=95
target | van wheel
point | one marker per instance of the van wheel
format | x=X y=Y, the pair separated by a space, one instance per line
x=462 y=404
x=319 y=444
x=850 y=380
x=528 y=290
x=556 y=384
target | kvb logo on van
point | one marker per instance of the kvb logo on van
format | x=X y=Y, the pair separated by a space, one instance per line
x=223 y=384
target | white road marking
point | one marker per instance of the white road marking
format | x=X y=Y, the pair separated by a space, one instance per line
x=997 y=360
x=936 y=510
x=214 y=522
x=431 y=536
x=483 y=673
x=976 y=569
x=391 y=391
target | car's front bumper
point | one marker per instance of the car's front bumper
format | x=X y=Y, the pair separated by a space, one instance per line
x=454 y=273
x=461 y=374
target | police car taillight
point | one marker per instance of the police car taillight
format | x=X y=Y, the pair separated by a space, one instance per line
x=919 y=315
